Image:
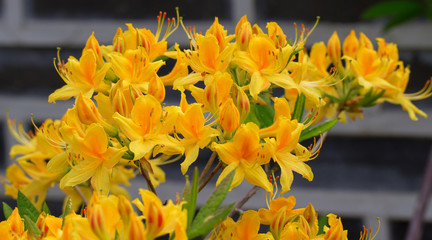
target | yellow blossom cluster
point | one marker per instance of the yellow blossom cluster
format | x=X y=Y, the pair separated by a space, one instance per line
x=120 y=125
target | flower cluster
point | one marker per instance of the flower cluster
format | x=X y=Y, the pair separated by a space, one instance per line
x=120 y=126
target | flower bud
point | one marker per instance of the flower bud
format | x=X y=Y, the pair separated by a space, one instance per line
x=157 y=88
x=334 y=48
x=93 y=44
x=125 y=209
x=365 y=42
x=123 y=98
x=243 y=33
x=136 y=229
x=229 y=116
x=87 y=111
x=351 y=45
x=119 y=41
x=96 y=219
x=218 y=31
x=241 y=101
x=276 y=33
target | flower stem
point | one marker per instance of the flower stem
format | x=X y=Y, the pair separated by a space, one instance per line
x=207 y=167
x=210 y=176
x=81 y=195
x=147 y=178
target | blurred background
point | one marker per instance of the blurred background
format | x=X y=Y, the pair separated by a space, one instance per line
x=367 y=169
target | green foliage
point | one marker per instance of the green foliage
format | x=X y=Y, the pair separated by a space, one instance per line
x=26 y=207
x=31 y=226
x=299 y=107
x=399 y=11
x=7 y=210
x=317 y=130
x=210 y=214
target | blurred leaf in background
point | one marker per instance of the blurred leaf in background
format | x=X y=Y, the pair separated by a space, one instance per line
x=398 y=12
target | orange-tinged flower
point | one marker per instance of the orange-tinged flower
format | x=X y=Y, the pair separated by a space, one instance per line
x=216 y=91
x=335 y=230
x=196 y=135
x=136 y=37
x=244 y=156
x=146 y=130
x=95 y=159
x=83 y=76
x=160 y=219
x=276 y=33
x=217 y=30
x=265 y=63
x=281 y=148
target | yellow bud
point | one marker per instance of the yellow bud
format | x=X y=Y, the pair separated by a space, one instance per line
x=241 y=101
x=96 y=219
x=87 y=111
x=243 y=33
x=351 y=45
x=157 y=88
x=229 y=116
x=123 y=97
x=93 y=44
x=119 y=41
x=335 y=232
x=310 y=215
x=276 y=33
x=334 y=48
x=218 y=31
x=125 y=209
x=136 y=229
x=365 y=42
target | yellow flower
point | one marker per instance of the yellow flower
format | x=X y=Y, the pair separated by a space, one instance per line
x=191 y=125
x=146 y=130
x=244 y=156
x=160 y=219
x=95 y=160
x=281 y=148
x=265 y=63
x=83 y=76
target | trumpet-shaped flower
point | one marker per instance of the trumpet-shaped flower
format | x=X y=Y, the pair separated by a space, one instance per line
x=81 y=76
x=281 y=148
x=244 y=155
x=196 y=135
x=95 y=160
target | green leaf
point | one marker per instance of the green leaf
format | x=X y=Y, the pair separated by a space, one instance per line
x=299 y=107
x=211 y=206
x=190 y=194
x=265 y=115
x=215 y=200
x=45 y=208
x=390 y=8
x=26 y=207
x=252 y=117
x=401 y=18
x=31 y=226
x=322 y=221
x=7 y=210
x=317 y=130
x=67 y=210
x=163 y=57
x=204 y=227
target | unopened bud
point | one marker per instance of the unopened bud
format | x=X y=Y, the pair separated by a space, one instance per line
x=334 y=48
x=157 y=88
x=243 y=33
x=351 y=45
x=93 y=44
x=229 y=116
x=365 y=41
x=87 y=111
x=119 y=41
